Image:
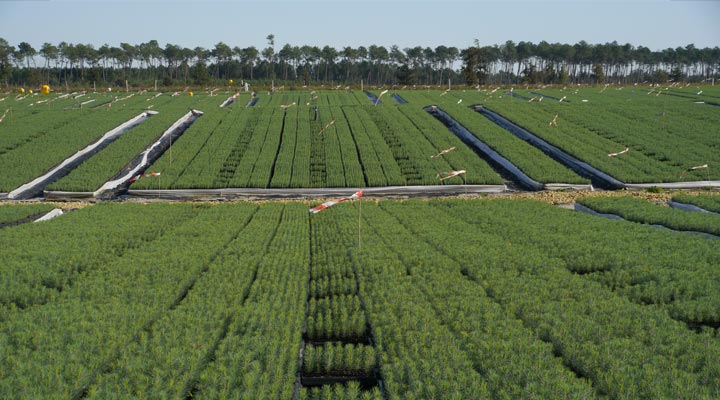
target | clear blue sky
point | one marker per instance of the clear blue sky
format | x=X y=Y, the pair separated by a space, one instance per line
x=657 y=24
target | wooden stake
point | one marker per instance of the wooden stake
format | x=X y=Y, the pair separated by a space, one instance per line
x=359 y=237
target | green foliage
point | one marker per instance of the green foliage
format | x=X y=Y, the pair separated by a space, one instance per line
x=665 y=134
x=335 y=284
x=102 y=167
x=33 y=142
x=462 y=298
x=259 y=356
x=185 y=340
x=518 y=256
x=529 y=159
x=531 y=74
x=660 y=76
x=563 y=76
x=337 y=317
x=677 y=74
x=200 y=73
x=405 y=75
x=367 y=145
x=476 y=62
x=478 y=171
x=108 y=300
x=266 y=147
x=337 y=359
x=598 y=73
x=348 y=391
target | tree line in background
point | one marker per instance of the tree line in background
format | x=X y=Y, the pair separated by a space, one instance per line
x=524 y=62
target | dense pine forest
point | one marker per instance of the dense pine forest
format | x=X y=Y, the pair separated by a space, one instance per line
x=149 y=63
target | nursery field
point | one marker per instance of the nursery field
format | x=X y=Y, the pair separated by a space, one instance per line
x=371 y=299
x=666 y=134
x=266 y=146
x=36 y=137
x=339 y=138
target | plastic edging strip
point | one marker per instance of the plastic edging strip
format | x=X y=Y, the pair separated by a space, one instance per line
x=674 y=185
x=689 y=207
x=581 y=208
x=296 y=193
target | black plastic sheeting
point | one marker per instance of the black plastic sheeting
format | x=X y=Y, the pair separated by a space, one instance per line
x=145 y=159
x=36 y=187
x=21 y=221
x=689 y=207
x=399 y=98
x=373 y=98
x=694 y=95
x=588 y=210
x=67 y=196
x=676 y=93
x=486 y=152
x=597 y=177
x=709 y=103
x=697 y=99
x=549 y=97
x=511 y=94
x=252 y=102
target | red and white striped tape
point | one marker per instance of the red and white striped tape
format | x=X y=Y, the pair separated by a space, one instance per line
x=332 y=122
x=331 y=203
x=136 y=177
x=442 y=152
x=692 y=168
x=449 y=174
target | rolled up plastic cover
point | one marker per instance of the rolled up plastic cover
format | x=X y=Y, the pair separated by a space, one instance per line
x=141 y=162
x=229 y=100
